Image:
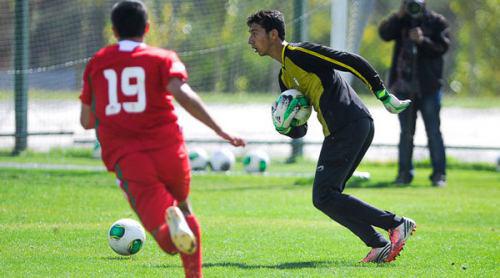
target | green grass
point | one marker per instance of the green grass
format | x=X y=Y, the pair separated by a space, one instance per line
x=54 y=223
x=60 y=156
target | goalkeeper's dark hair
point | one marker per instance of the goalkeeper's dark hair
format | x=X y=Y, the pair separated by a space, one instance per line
x=269 y=20
x=129 y=18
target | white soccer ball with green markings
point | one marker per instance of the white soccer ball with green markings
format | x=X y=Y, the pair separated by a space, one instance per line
x=126 y=237
x=256 y=161
x=222 y=160
x=283 y=109
x=198 y=158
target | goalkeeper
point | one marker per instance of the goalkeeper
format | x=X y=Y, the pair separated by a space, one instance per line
x=347 y=125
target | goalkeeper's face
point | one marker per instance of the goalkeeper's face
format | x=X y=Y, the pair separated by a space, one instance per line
x=259 y=39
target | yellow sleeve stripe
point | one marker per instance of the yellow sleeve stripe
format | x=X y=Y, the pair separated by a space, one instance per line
x=333 y=61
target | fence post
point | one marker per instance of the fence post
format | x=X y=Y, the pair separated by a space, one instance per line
x=21 y=75
x=300 y=33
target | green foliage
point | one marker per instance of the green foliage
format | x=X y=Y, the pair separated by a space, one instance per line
x=478 y=41
x=211 y=38
x=469 y=70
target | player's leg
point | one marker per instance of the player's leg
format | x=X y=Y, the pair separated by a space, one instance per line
x=362 y=152
x=147 y=196
x=180 y=231
x=192 y=262
x=397 y=235
x=430 y=108
x=407 y=122
x=176 y=175
x=338 y=159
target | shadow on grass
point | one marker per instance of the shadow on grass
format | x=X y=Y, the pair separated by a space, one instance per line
x=289 y=265
x=115 y=258
x=300 y=184
x=382 y=184
x=354 y=183
x=5 y=153
x=20 y=172
x=258 y=187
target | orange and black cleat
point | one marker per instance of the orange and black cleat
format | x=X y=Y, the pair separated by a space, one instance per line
x=378 y=255
x=399 y=236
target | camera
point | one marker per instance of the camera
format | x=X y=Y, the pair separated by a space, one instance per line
x=414 y=8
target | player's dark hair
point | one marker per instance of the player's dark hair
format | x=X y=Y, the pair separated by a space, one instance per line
x=129 y=18
x=269 y=20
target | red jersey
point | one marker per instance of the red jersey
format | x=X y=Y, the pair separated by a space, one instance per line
x=125 y=84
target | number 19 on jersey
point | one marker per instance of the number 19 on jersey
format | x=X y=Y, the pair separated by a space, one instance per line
x=127 y=88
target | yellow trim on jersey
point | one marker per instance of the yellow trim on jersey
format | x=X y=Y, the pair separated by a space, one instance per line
x=283 y=53
x=310 y=85
x=331 y=61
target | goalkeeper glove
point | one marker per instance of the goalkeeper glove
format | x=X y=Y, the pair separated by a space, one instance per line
x=391 y=102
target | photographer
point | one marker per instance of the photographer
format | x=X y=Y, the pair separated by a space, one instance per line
x=421 y=38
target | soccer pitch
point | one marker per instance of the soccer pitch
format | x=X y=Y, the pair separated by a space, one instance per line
x=54 y=223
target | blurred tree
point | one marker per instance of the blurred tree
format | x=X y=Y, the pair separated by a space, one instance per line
x=469 y=69
x=477 y=69
x=211 y=38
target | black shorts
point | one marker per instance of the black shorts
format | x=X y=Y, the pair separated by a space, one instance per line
x=340 y=154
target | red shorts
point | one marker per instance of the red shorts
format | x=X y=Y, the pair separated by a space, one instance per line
x=154 y=180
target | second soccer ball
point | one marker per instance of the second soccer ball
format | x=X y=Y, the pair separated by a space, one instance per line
x=256 y=161
x=222 y=160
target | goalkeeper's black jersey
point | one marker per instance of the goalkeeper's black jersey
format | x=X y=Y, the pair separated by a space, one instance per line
x=311 y=69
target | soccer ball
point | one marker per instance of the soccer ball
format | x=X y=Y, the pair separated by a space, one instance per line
x=256 y=161
x=286 y=102
x=198 y=158
x=222 y=160
x=126 y=237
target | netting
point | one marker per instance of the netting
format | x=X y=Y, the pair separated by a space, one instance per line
x=211 y=38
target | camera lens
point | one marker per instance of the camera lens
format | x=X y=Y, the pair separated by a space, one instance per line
x=414 y=8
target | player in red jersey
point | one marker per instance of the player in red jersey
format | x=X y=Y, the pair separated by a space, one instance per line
x=127 y=96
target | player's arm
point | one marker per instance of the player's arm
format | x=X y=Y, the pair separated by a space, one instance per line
x=327 y=58
x=87 y=119
x=193 y=104
x=358 y=66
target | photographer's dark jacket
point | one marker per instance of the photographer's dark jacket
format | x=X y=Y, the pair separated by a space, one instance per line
x=429 y=59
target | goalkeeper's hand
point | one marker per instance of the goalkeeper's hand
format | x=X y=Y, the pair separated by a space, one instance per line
x=391 y=102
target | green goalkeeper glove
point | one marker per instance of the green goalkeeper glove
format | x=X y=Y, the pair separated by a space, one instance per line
x=391 y=102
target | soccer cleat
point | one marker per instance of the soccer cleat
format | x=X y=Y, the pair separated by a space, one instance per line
x=438 y=180
x=182 y=236
x=403 y=180
x=378 y=255
x=399 y=236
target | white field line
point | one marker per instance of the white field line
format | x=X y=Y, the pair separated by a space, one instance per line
x=72 y=167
